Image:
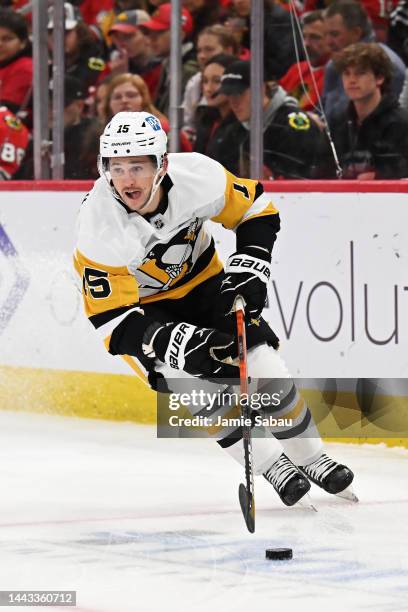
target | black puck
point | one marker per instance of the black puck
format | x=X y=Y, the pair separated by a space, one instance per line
x=280 y=554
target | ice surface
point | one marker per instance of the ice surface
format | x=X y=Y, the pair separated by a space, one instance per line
x=133 y=523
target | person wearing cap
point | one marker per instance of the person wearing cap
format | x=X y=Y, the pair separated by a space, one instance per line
x=81 y=133
x=133 y=52
x=81 y=136
x=16 y=64
x=105 y=19
x=294 y=146
x=83 y=53
x=158 y=30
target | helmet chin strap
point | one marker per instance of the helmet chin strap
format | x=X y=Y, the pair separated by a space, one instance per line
x=156 y=184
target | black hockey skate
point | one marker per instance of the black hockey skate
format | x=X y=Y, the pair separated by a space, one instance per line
x=287 y=480
x=331 y=476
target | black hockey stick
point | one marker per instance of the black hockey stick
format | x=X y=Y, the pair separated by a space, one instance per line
x=245 y=492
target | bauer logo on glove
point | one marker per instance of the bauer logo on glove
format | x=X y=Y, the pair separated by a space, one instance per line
x=247 y=276
x=239 y=263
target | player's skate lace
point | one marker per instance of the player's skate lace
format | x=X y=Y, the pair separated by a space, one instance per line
x=289 y=483
x=319 y=469
x=331 y=476
x=281 y=472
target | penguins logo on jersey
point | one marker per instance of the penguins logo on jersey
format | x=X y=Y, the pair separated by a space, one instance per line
x=166 y=264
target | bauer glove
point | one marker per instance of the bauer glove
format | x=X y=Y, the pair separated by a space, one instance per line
x=196 y=350
x=246 y=274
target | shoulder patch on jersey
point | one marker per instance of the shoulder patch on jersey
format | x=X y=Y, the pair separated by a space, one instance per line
x=299 y=121
x=13 y=122
x=96 y=63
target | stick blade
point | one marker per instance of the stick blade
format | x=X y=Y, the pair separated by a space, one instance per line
x=247 y=504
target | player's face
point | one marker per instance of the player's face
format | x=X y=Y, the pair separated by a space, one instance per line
x=338 y=35
x=132 y=178
x=10 y=44
x=126 y=97
x=360 y=85
x=211 y=83
x=241 y=105
x=315 y=42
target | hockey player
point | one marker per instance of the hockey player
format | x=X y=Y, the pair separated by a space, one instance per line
x=155 y=289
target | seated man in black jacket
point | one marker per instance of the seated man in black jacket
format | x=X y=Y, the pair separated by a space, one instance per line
x=371 y=136
x=294 y=145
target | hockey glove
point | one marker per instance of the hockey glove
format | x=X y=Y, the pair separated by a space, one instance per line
x=246 y=274
x=196 y=350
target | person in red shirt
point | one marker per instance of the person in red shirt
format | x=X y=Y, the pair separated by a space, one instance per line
x=14 y=139
x=303 y=78
x=16 y=64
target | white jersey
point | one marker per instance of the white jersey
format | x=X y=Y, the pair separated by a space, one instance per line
x=126 y=260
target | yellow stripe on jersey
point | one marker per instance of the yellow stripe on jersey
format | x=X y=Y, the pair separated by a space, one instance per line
x=266 y=212
x=105 y=287
x=214 y=267
x=238 y=196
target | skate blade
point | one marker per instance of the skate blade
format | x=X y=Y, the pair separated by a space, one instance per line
x=348 y=494
x=306 y=502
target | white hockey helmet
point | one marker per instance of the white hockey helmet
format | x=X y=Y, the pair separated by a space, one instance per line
x=130 y=135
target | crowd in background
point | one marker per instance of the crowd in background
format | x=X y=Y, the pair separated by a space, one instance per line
x=333 y=69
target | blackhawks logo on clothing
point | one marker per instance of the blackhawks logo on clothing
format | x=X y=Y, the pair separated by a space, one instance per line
x=13 y=122
x=96 y=63
x=299 y=121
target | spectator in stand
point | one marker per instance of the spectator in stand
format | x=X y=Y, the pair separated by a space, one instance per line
x=92 y=11
x=294 y=146
x=14 y=139
x=16 y=65
x=377 y=10
x=279 y=46
x=158 y=29
x=99 y=99
x=83 y=55
x=211 y=41
x=81 y=134
x=129 y=92
x=213 y=118
x=133 y=49
x=347 y=23
x=398 y=33
x=106 y=19
x=303 y=78
x=238 y=27
x=81 y=137
x=205 y=13
x=371 y=136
